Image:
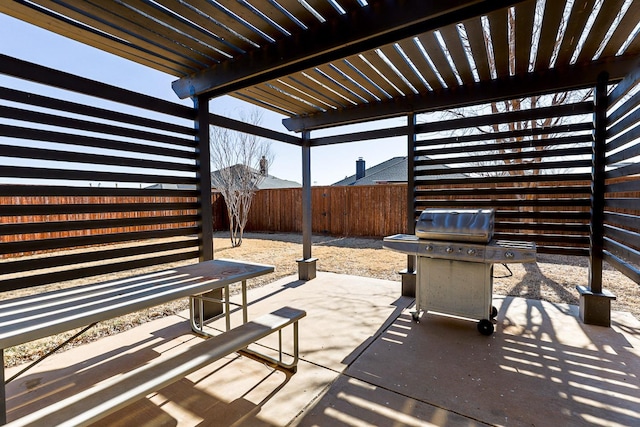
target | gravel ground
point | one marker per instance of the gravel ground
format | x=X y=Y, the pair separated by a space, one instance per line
x=553 y=278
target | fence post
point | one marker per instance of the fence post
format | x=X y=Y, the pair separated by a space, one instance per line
x=595 y=304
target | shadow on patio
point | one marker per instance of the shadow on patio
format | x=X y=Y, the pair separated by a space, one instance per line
x=364 y=362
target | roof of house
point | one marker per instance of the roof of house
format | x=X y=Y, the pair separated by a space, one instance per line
x=393 y=170
x=268 y=182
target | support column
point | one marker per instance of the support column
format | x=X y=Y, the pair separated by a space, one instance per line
x=205 y=211
x=409 y=274
x=203 y=164
x=595 y=303
x=307 y=264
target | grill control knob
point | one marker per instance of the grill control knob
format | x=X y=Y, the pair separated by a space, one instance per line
x=471 y=251
x=449 y=249
x=509 y=255
x=429 y=248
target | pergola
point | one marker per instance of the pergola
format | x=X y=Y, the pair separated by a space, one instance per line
x=325 y=63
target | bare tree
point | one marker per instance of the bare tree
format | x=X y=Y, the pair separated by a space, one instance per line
x=239 y=163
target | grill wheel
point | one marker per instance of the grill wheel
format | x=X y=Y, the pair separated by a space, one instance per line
x=485 y=327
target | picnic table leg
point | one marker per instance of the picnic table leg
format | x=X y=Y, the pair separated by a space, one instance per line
x=245 y=316
x=227 y=308
x=3 y=392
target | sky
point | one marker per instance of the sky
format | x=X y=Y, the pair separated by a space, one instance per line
x=329 y=164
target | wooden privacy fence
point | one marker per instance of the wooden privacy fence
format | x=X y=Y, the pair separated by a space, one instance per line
x=358 y=211
x=380 y=210
x=373 y=211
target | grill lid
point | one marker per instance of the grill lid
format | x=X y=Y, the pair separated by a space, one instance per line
x=458 y=225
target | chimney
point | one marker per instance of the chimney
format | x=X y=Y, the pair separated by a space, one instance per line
x=264 y=166
x=360 y=168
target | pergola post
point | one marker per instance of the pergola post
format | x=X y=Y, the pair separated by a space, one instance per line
x=409 y=274
x=595 y=303
x=205 y=237
x=307 y=264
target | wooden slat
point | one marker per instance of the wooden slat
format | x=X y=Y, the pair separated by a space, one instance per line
x=417 y=57
x=62 y=80
x=622 y=220
x=52 y=260
x=288 y=99
x=550 y=25
x=623 y=139
x=432 y=47
x=114 y=25
x=297 y=90
x=343 y=84
x=374 y=94
x=140 y=14
x=249 y=96
x=381 y=66
x=525 y=14
x=312 y=87
x=90 y=176
x=86 y=141
x=577 y=21
x=625 y=86
x=621 y=33
x=105 y=268
x=83 y=208
x=509 y=156
x=85 y=125
x=319 y=74
x=507 y=117
x=73 y=31
x=630 y=203
x=502 y=179
x=478 y=47
x=624 y=171
x=489 y=169
x=603 y=22
x=624 y=186
x=377 y=84
x=96 y=160
x=237 y=25
x=628 y=154
x=91 y=111
x=122 y=222
x=624 y=237
x=93 y=240
x=500 y=39
x=629 y=270
x=230 y=39
x=458 y=55
x=405 y=70
x=284 y=104
x=323 y=7
x=628 y=106
x=136 y=194
x=513 y=144
x=455 y=192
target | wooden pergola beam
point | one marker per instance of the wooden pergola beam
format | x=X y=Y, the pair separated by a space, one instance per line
x=553 y=80
x=378 y=24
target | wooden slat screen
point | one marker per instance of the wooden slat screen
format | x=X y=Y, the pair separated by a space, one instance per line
x=622 y=204
x=93 y=179
x=529 y=162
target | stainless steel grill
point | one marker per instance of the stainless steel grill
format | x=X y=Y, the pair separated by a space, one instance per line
x=455 y=256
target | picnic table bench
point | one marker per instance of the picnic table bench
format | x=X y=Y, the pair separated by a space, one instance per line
x=38 y=316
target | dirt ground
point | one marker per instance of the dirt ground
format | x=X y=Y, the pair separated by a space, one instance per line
x=553 y=278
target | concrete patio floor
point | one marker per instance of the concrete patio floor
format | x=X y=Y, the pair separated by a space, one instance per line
x=364 y=362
